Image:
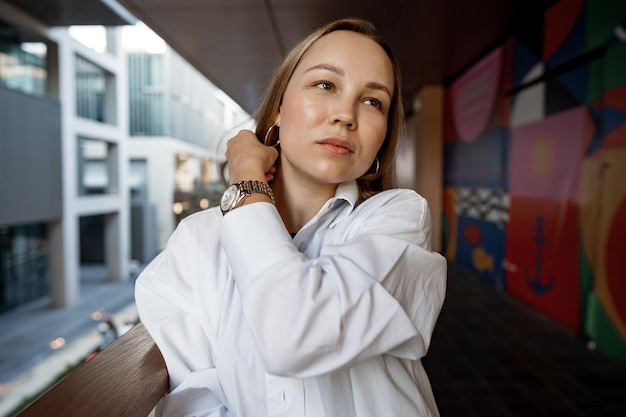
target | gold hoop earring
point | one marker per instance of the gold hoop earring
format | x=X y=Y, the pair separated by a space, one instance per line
x=377 y=165
x=267 y=137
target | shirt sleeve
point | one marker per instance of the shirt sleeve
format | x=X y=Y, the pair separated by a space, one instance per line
x=167 y=307
x=377 y=292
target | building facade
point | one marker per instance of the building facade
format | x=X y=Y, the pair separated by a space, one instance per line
x=62 y=107
x=102 y=151
x=179 y=124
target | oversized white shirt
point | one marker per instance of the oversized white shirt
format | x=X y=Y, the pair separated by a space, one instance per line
x=331 y=323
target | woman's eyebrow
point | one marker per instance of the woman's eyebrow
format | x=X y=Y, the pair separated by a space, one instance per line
x=378 y=86
x=327 y=67
x=332 y=68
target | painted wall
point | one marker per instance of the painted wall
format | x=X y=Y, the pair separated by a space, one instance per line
x=420 y=155
x=535 y=169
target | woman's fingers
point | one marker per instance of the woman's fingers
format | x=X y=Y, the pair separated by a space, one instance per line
x=250 y=159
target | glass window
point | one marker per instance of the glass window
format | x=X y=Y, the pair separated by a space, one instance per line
x=24 y=272
x=91 y=91
x=96 y=167
x=145 y=82
x=23 y=65
x=138 y=180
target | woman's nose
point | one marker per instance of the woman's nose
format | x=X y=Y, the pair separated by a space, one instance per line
x=344 y=112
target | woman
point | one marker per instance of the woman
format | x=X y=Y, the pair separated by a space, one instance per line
x=313 y=291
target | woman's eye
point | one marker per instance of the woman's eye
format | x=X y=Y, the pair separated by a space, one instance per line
x=324 y=85
x=374 y=102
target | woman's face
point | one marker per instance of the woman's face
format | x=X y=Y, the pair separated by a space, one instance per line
x=333 y=117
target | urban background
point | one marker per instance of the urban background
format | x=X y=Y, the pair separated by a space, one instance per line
x=108 y=138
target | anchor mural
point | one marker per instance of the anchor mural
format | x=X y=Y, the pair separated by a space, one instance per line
x=537 y=283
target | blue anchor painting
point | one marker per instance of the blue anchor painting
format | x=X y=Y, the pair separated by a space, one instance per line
x=536 y=282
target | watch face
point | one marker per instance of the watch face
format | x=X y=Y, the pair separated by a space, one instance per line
x=229 y=197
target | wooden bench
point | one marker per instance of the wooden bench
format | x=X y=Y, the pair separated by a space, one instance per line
x=126 y=379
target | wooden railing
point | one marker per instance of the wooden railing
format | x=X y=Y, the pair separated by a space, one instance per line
x=126 y=379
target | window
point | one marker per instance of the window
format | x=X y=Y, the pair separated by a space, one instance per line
x=23 y=65
x=24 y=272
x=94 y=90
x=97 y=167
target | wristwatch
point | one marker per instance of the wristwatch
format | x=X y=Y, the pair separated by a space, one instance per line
x=235 y=194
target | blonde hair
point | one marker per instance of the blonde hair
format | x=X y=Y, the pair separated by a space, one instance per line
x=375 y=180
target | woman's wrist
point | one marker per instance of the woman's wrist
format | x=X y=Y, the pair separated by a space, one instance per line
x=245 y=192
x=257 y=198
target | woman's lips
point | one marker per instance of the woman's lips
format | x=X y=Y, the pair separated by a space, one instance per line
x=336 y=146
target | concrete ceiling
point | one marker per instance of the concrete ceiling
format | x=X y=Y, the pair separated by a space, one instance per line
x=237 y=43
x=75 y=12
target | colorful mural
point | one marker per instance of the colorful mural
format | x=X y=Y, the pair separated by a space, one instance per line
x=603 y=210
x=542 y=244
x=476 y=152
x=535 y=161
x=603 y=222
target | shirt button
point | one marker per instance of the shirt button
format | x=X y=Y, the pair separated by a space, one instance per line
x=302 y=246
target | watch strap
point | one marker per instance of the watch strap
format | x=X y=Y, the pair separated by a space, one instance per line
x=253 y=186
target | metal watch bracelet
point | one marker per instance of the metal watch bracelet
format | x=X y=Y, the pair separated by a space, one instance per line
x=253 y=186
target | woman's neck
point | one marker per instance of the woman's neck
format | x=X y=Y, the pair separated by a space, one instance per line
x=299 y=201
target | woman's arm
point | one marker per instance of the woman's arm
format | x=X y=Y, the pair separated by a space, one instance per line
x=380 y=291
x=168 y=309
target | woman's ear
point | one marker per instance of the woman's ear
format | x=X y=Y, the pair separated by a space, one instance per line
x=277 y=119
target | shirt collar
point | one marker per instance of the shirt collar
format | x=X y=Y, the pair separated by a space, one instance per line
x=345 y=197
x=348 y=191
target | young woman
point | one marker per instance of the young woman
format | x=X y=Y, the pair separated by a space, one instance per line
x=312 y=291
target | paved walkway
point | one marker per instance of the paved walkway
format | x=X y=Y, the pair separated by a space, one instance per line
x=492 y=355
x=28 y=363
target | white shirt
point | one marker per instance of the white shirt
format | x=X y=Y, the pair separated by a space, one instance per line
x=333 y=322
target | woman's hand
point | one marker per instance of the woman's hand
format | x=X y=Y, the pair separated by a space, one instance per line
x=249 y=159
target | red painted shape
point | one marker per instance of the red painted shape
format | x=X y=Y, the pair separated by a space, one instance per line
x=558 y=23
x=472 y=234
